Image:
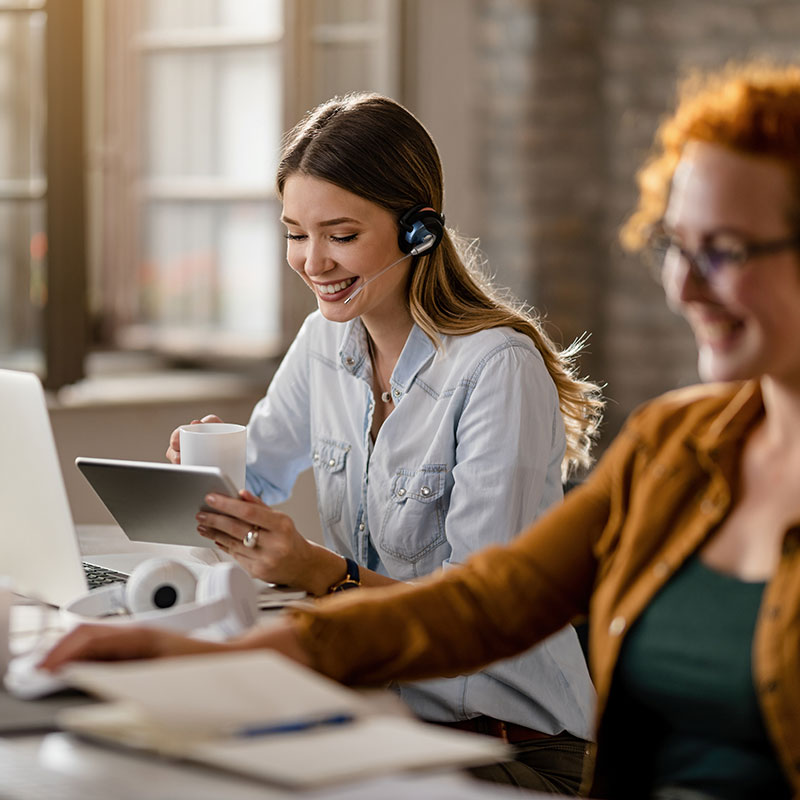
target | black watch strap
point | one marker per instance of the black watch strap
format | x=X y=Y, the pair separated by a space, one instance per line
x=351 y=580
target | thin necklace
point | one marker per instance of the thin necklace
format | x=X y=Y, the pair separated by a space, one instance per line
x=386 y=397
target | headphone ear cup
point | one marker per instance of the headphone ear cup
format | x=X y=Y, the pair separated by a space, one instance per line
x=228 y=583
x=421 y=230
x=158 y=584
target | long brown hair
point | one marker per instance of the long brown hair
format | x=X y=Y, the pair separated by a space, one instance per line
x=373 y=147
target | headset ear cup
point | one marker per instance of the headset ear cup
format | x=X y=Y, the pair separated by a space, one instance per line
x=158 y=584
x=420 y=230
x=229 y=583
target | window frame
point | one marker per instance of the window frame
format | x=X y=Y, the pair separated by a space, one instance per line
x=92 y=159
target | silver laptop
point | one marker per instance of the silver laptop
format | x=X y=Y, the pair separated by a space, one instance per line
x=38 y=542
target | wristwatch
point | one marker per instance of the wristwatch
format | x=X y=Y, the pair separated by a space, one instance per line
x=351 y=580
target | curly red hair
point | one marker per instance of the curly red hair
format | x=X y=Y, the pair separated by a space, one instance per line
x=751 y=108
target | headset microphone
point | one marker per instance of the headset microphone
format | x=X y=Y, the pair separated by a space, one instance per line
x=377 y=275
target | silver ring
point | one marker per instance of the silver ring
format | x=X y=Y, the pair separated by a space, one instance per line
x=250 y=539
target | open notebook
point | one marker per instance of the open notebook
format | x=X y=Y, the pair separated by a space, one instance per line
x=261 y=715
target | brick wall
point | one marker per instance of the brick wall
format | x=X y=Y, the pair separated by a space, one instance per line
x=571 y=92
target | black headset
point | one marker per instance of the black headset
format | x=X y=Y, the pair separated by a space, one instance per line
x=421 y=230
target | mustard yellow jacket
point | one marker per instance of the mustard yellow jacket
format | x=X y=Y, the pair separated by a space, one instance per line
x=658 y=493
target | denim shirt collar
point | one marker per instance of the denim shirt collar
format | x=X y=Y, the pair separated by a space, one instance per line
x=354 y=356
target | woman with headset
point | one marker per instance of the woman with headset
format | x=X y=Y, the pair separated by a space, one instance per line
x=437 y=418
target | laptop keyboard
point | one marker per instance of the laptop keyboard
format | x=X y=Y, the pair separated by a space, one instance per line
x=102 y=576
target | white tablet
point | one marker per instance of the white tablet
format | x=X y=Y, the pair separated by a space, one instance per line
x=154 y=502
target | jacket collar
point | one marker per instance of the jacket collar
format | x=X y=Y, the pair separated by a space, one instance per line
x=726 y=433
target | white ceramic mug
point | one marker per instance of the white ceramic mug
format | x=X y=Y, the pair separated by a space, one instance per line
x=216 y=444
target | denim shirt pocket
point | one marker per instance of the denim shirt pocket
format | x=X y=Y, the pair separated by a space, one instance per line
x=329 y=459
x=413 y=524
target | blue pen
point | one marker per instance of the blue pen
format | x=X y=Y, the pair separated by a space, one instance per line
x=294 y=726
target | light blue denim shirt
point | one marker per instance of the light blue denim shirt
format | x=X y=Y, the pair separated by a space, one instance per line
x=470 y=455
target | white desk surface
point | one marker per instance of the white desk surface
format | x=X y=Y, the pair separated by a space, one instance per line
x=60 y=766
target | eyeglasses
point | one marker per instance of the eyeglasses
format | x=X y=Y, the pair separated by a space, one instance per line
x=720 y=254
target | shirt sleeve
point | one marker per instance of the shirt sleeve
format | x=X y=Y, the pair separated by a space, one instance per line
x=278 y=433
x=501 y=602
x=509 y=447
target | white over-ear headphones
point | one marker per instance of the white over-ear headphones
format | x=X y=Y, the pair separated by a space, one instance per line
x=163 y=593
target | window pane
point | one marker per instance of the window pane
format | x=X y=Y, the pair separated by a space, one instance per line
x=23 y=287
x=22 y=95
x=212 y=267
x=339 y=69
x=213 y=114
x=256 y=15
x=23 y=242
x=263 y=17
x=343 y=11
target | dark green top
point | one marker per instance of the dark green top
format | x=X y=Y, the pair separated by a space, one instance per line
x=684 y=682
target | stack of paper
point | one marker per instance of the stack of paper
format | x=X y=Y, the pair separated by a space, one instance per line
x=261 y=715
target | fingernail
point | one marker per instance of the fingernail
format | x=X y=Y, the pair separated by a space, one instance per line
x=200 y=517
x=211 y=499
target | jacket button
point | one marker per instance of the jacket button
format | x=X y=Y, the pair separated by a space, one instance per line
x=316 y=456
x=617 y=626
x=349 y=361
x=401 y=492
x=361 y=526
x=397 y=393
x=424 y=491
x=332 y=463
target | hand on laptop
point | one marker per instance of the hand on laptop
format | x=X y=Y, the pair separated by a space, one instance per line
x=121 y=643
x=127 y=642
x=174 y=449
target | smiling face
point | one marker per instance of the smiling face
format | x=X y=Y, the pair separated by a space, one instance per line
x=336 y=241
x=746 y=322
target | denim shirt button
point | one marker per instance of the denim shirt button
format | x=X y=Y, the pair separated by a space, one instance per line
x=397 y=393
x=401 y=492
x=332 y=463
x=316 y=456
x=361 y=526
x=349 y=361
x=424 y=491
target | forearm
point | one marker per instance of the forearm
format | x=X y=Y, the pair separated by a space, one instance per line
x=503 y=601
